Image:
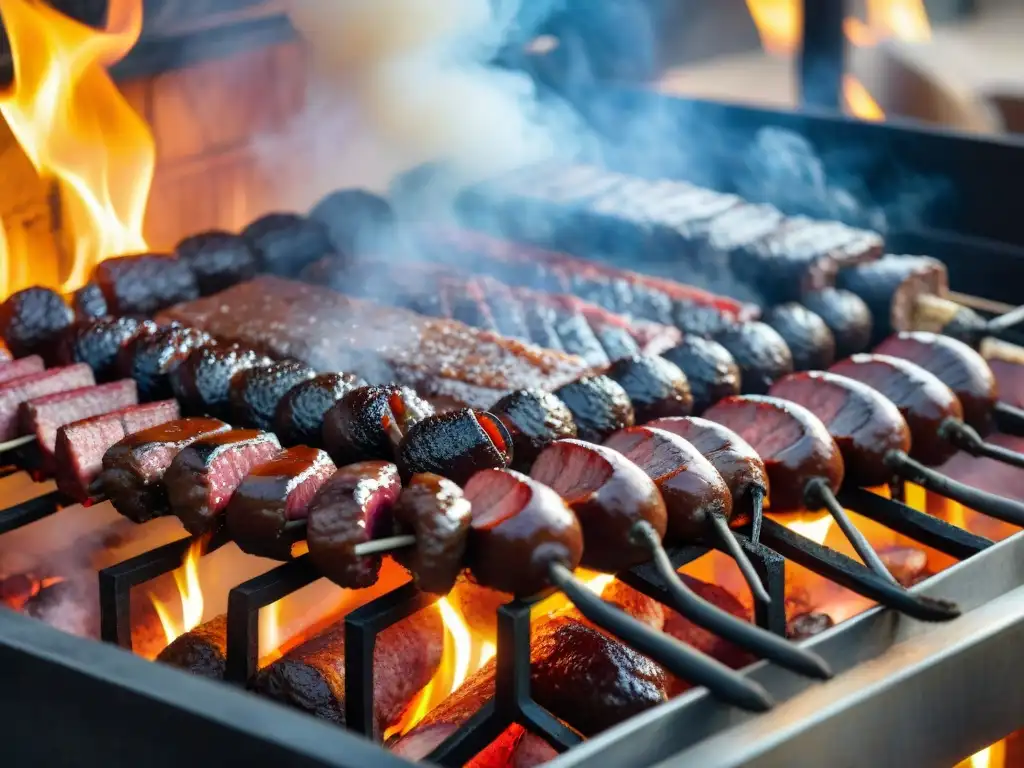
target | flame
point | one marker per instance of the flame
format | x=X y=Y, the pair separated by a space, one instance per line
x=812 y=525
x=76 y=127
x=779 y=25
x=189 y=591
x=270 y=632
x=993 y=756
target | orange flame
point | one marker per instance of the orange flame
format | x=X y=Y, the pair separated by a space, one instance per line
x=779 y=25
x=75 y=126
x=191 y=594
x=812 y=525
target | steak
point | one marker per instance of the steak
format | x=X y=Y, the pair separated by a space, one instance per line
x=14 y=392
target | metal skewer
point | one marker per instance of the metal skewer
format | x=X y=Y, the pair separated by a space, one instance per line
x=967 y=439
x=732 y=546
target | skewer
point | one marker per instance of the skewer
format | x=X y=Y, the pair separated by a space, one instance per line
x=17 y=442
x=968 y=440
x=732 y=546
x=382 y=546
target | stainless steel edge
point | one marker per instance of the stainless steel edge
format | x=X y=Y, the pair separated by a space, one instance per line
x=906 y=693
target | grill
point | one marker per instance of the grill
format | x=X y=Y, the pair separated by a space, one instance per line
x=898 y=675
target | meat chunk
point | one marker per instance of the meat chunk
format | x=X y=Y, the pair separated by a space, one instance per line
x=141 y=284
x=14 y=392
x=23 y=366
x=332 y=332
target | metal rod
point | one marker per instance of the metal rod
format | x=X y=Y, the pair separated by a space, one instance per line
x=848 y=573
x=384 y=545
x=1006 y=320
x=990 y=504
x=681 y=660
x=822 y=58
x=921 y=527
x=731 y=545
x=29 y=511
x=819 y=491
x=1009 y=418
x=757 y=495
x=704 y=614
x=17 y=442
x=967 y=439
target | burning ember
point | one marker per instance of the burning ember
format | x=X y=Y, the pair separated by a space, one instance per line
x=191 y=594
x=76 y=127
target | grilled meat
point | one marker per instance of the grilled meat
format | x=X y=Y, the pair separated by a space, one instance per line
x=217 y=259
x=808 y=337
x=145 y=283
x=846 y=315
x=533 y=419
x=202 y=381
x=150 y=359
x=32 y=320
x=370 y=422
x=287 y=242
x=455 y=445
x=299 y=417
x=599 y=406
x=710 y=370
x=14 y=392
x=97 y=342
x=255 y=393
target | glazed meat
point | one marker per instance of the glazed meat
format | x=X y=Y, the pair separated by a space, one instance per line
x=335 y=333
x=656 y=387
x=760 y=353
x=846 y=315
x=370 y=422
x=311 y=677
x=808 y=337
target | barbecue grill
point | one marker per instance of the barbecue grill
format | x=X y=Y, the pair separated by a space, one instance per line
x=914 y=692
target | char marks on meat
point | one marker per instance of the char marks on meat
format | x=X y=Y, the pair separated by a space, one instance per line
x=333 y=332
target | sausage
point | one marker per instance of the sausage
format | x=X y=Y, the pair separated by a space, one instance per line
x=203 y=651
x=709 y=368
x=924 y=401
x=203 y=477
x=354 y=506
x=32 y=321
x=455 y=444
x=809 y=339
x=598 y=405
x=435 y=510
x=846 y=315
x=655 y=386
x=97 y=342
x=255 y=392
x=534 y=419
x=144 y=283
x=202 y=381
x=311 y=677
x=267 y=512
x=299 y=417
x=370 y=422
x=134 y=467
x=793 y=443
x=865 y=424
x=609 y=494
x=217 y=259
x=149 y=358
x=287 y=242
x=88 y=302
x=691 y=488
x=760 y=352
x=577 y=673
x=739 y=465
x=519 y=528
x=956 y=365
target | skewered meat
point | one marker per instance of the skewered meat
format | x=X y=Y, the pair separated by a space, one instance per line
x=609 y=495
x=1006 y=361
x=32 y=320
x=203 y=476
x=578 y=673
x=287 y=242
x=923 y=400
x=217 y=259
x=88 y=302
x=81 y=445
x=455 y=444
x=846 y=315
x=203 y=651
x=891 y=287
x=356 y=220
x=435 y=510
x=256 y=392
x=311 y=677
x=519 y=528
x=43 y=416
x=267 y=513
x=599 y=406
x=534 y=419
x=710 y=369
x=145 y=283
x=134 y=467
x=956 y=365
x=16 y=391
x=808 y=337
x=735 y=460
x=864 y=423
x=299 y=417
x=690 y=486
x=795 y=446
x=98 y=342
x=333 y=332
x=656 y=387
x=760 y=353
x=370 y=422
x=354 y=506
x=23 y=366
x=202 y=381
x=150 y=359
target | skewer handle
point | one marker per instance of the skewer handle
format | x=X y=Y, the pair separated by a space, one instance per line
x=681 y=660
x=1009 y=418
x=17 y=442
x=1007 y=510
x=704 y=614
x=967 y=439
x=732 y=546
x=1005 y=321
x=757 y=494
x=377 y=546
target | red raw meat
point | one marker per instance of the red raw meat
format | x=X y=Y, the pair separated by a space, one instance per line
x=16 y=391
x=15 y=369
x=80 y=446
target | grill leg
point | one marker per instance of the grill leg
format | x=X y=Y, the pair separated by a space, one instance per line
x=823 y=54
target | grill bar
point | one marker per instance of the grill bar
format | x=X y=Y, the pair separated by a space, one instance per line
x=29 y=511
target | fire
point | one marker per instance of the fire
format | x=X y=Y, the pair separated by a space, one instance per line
x=190 y=592
x=779 y=24
x=812 y=525
x=993 y=756
x=76 y=127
